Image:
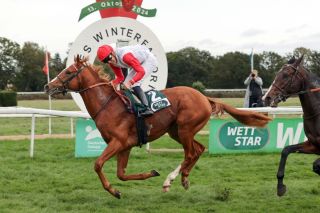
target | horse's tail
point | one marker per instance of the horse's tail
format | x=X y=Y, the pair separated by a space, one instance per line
x=246 y=117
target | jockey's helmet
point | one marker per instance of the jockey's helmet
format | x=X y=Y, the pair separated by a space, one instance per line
x=104 y=51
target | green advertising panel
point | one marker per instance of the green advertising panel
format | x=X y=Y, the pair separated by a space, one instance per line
x=89 y=142
x=229 y=136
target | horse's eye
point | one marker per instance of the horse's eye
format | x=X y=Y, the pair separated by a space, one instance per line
x=68 y=72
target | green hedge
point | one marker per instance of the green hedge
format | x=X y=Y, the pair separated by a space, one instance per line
x=8 y=98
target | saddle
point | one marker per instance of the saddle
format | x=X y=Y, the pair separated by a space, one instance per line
x=156 y=100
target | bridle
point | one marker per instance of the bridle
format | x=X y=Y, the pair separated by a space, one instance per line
x=65 y=83
x=75 y=74
x=284 y=95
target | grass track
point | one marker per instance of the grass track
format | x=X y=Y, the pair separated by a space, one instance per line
x=55 y=181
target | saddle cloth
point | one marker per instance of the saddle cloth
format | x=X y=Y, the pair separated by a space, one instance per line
x=156 y=99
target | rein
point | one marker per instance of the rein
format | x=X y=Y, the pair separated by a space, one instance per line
x=92 y=86
x=105 y=103
x=75 y=74
x=284 y=95
x=308 y=91
x=303 y=91
x=297 y=73
x=65 y=84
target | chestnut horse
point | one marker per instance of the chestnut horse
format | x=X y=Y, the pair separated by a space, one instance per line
x=294 y=79
x=189 y=112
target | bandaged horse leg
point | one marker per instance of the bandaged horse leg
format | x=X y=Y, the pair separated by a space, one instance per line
x=122 y=162
x=170 y=178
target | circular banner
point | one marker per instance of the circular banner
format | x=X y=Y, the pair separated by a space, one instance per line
x=120 y=30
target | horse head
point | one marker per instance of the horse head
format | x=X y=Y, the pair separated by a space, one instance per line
x=74 y=78
x=290 y=80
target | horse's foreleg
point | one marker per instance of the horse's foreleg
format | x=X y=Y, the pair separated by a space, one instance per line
x=305 y=147
x=123 y=158
x=170 y=178
x=113 y=148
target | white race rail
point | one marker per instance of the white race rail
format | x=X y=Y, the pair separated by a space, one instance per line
x=33 y=113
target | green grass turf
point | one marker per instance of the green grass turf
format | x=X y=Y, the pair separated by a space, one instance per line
x=55 y=181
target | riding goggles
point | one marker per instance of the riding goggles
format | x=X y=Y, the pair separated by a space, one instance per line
x=107 y=59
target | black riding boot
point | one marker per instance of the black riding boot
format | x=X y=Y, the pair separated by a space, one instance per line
x=139 y=92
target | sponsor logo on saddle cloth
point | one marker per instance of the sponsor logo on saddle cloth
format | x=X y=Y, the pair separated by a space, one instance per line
x=157 y=100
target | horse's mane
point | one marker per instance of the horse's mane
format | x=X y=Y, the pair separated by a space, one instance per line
x=313 y=78
x=102 y=75
x=98 y=69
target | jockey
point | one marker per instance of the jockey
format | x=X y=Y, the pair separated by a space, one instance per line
x=139 y=61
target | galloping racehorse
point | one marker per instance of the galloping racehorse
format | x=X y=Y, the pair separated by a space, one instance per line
x=188 y=113
x=294 y=79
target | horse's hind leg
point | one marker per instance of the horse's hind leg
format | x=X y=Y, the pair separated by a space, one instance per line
x=192 y=154
x=192 y=150
x=305 y=147
x=122 y=162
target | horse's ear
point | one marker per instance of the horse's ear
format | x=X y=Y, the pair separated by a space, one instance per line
x=292 y=60
x=298 y=61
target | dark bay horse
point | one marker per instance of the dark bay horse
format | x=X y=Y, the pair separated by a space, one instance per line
x=294 y=79
x=188 y=113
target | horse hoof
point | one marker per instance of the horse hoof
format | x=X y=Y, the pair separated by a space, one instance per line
x=316 y=166
x=117 y=194
x=166 y=188
x=185 y=184
x=155 y=173
x=281 y=190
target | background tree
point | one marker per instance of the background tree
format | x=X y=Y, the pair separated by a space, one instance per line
x=315 y=62
x=56 y=65
x=269 y=64
x=187 y=66
x=9 y=54
x=231 y=70
x=30 y=76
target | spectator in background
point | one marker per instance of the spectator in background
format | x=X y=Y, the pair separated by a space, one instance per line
x=253 y=97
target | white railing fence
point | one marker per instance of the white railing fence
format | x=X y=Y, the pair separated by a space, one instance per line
x=21 y=112
x=34 y=113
